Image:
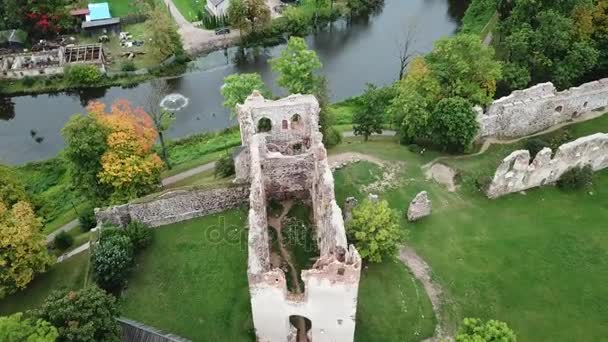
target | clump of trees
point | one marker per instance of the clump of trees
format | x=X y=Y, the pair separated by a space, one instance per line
x=83 y=315
x=163 y=39
x=565 y=42
x=237 y=87
x=16 y=327
x=371 y=113
x=375 y=230
x=83 y=74
x=435 y=99
x=476 y=330
x=249 y=15
x=111 y=154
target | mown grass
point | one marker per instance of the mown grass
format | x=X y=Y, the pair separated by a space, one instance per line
x=478 y=16
x=69 y=274
x=120 y=8
x=515 y=259
x=190 y=9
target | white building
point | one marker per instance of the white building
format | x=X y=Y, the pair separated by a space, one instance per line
x=218 y=7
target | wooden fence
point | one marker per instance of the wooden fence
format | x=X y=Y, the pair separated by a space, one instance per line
x=137 y=332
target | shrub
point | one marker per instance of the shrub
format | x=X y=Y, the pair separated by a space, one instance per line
x=109 y=231
x=414 y=148
x=87 y=219
x=224 y=167
x=18 y=328
x=84 y=315
x=28 y=81
x=128 y=66
x=83 y=74
x=63 y=241
x=475 y=330
x=332 y=137
x=140 y=235
x=560 y=139
x=112 y=260
x=576 y=178
x=535 y=145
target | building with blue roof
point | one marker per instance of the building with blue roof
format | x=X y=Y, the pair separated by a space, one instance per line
x=99 y=20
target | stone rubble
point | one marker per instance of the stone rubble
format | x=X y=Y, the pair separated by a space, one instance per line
x=419 y=207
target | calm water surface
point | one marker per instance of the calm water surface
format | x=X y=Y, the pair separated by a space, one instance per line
x=352 y=55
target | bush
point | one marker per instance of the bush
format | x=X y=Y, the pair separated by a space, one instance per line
x=224 y=167
x=414 y=148
x=112 y=261
x=560 y=139
x=109 y=231
x=535 y=145
x=475 y=330
x=128 y=66
x=139 y=234
x=84 y=315
x=63 y=241
x=332 y=137
x=87 y=219
x=83 y=74
x=576 y=178
x=28 y=81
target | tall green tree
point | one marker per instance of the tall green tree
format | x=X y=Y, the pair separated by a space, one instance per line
x=86 y=315
x=454 y=124
x=465 y=68
x=237 y=15
x=161 y=117
x=112 y=260
x=237 y=87
x=163 y=38
x=85 y=140
x=296 y=67
x=16 y=328
x=375 y=230
x=12 y=189
x=258 y=14
x=370 y=114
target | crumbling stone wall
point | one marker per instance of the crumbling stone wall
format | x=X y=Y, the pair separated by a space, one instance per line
x=540 y=107
x=175 y=206
x=331 y=286
x=517 y=173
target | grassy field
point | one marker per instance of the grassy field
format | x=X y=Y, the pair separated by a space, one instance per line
x=69 y=274
x=517 y=258
x=190 y=9
x=120 y=8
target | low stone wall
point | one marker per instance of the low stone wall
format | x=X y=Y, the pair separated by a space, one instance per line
x=516 y=173
x=175 y=206
x=540 y=107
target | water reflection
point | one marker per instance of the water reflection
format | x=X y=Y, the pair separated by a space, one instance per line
x=353 y=53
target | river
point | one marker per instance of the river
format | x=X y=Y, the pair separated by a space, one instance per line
x=352 y=55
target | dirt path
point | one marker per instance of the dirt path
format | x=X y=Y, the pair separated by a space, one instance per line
x=422 y=272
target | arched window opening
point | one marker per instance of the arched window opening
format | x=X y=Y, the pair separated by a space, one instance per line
x=296 y=121
x=264 y=125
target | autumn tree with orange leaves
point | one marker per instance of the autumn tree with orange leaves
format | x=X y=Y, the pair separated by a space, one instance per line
x=115 y=148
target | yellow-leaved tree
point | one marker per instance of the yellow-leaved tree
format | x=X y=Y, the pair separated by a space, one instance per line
x=130 y=165
x=23 y=251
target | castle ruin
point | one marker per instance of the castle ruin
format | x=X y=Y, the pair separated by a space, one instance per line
x=283 y=158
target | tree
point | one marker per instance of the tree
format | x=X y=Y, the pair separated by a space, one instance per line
x=465 y=68
x=129 y=165
x=237 y=15
x=416 y=97
x=85 y=74
x=258 y=13
x=87 y=315
x=86 y=142
x=163 y=38
x=112 y=261
x=11 y=189
x=475 y=330
x=375 y=231
x=162 y=118
x=224 y=166
x=237 y=87
x=23 y=251
x=369 y=116
x=16 y=328
x=139 y=234
x=454 y=123
x=406 y=50
x=296 y=67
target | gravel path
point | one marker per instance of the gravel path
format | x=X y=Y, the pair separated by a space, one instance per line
x=73 y=252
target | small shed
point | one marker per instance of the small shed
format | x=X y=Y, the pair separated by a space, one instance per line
x=13 y=39
x=104 y=26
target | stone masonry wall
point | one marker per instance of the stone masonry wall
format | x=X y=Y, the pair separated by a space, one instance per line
x=175 y=206
x=540 y=107
x=516 y=173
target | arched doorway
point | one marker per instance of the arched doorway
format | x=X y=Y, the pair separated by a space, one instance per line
x=303 y=326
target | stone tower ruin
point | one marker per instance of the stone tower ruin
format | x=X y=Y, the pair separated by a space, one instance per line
x=283 y=157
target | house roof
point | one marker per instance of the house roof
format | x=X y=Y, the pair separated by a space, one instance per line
x=99 y=23
x=13 y=36
x=99 y=11
x=79 y=12
x=216 y=2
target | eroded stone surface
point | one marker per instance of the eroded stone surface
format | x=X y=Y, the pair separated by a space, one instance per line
x=517 y=173
x=288 y=161
x=419 y=207
x=540 y=107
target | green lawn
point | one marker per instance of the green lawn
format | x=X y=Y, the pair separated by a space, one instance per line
x=537 y=261
x=69 y=274
x=190 y=9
